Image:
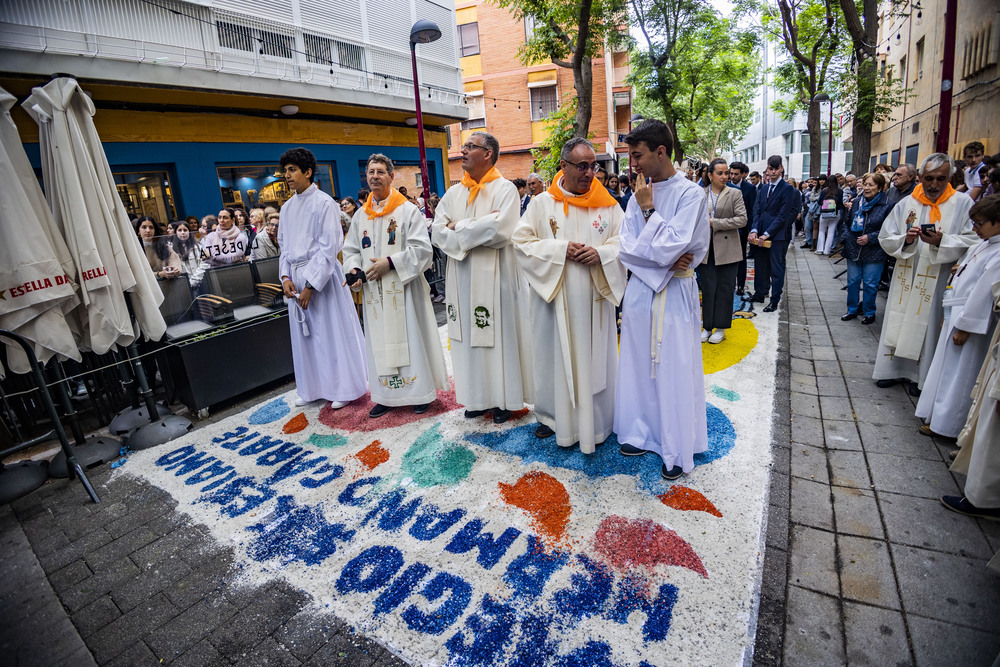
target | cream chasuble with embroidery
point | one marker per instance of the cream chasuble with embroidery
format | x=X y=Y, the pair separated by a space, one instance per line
x=574 y=334
x=405 y=362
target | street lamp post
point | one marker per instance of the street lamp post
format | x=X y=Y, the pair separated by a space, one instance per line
x=823 y=97
x=422 y=32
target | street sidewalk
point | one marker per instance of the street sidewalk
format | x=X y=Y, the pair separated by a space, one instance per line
x=863 y=565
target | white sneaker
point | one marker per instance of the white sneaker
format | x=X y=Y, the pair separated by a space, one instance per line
x=301 y=402
x=717 y=337
x=705 y=335
x=336 y=405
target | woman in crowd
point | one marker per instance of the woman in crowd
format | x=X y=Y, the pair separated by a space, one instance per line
x=831 y=204
x=348 y=207
x=206 y=227
x=257 y=219
x=615 y=188
x=717 y=272
x=865 y=257
x=797 y=226
x=188 y=250
x=226 y=245
x=266 y=243
x=156 y=244
x=810 y=202
x=248 y=231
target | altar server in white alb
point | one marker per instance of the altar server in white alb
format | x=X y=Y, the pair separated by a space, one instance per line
x=386 y=253
x=661 y=388
x=326 y=338
x=567 y=244
x=472 y=226
x=968 y=325
x=927 y=233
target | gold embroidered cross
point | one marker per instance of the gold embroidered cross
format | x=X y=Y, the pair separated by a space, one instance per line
x=393 y=290
x=891 y=354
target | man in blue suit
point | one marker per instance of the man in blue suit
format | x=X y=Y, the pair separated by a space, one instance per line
x=738 y=179
x=774 y=214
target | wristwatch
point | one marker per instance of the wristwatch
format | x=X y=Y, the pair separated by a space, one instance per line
x=646 y=212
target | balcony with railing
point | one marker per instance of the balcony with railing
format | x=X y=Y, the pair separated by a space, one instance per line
x=166 y=42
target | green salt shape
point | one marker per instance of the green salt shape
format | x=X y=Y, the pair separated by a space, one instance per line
x=431 y=461
x=326 y=441
x=726 y=394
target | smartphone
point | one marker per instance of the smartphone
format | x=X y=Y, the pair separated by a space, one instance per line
x=928 y=228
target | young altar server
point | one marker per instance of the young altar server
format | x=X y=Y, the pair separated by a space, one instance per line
x=488 y=340
x=660 y=405
x=927 y=233
x=326 y=337
x=968 y=325
x=567 y=245
x=386 y=253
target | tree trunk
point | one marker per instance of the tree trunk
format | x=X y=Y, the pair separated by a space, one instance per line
x=864 y=116
x=583 y=82
x=815 y=128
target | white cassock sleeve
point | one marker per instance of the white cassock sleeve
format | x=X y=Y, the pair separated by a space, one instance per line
x=492 y=230
x=542 y=259
x=416 y=255
x=660 y=242
x=959 y=236
x=610 y=267
x=892 y=236
x=976 y=313
x=328 y=240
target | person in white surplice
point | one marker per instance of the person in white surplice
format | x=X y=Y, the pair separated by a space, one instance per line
x=327 y=350
x=472 y=226
x=385 y=255
x=968 y=325
x=660 y=405
x=927 y=233
x=567 y=245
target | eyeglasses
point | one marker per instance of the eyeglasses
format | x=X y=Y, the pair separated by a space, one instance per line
x=584 y=167
x=468 y=146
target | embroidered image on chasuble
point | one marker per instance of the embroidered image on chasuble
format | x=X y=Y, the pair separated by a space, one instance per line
x=573 y=310
x=914 y=314
x=405 y=362
x=485 y=292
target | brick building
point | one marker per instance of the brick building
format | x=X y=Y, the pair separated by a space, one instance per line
x=511 y=100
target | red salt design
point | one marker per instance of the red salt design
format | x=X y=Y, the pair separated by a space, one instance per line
x=628 y=543
x=373 y=455
x=354 y=415
x=295 y=424
x=545 y=500
x=685 y=499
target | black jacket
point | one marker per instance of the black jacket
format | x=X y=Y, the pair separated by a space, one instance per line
x=874 y=217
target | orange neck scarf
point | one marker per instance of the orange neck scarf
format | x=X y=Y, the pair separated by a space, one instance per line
x=597 y=197
x=394 y=201
x=918 y=194
x=474 y=187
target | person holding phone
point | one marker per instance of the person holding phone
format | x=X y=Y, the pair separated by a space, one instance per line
x=156 y=244
x=927 y=233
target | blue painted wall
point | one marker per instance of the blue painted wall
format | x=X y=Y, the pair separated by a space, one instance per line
x=192 y=166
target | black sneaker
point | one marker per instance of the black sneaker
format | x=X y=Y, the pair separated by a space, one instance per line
x=543 y=432
x=961 y=505
x=378 y=410
x=629 y=450
x=500 y=416
x=674 y=473
x=472 y=414
x=421 y=409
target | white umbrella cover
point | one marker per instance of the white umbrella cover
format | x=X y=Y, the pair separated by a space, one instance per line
x=84 y=200
x=36 y=269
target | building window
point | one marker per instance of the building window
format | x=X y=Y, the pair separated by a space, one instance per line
x=789 y=142
x=902 y=68
x=920 y=58
x=254 y=40
x=912 y=153
x=883 y=158
x=326 y=51
x=529 y=27
x=468 y=39
x=848 y=148
x=544 y=101
x=146 y=193
x=247 y=186
x=894 y=161
x=477 y=113
x=871 y=163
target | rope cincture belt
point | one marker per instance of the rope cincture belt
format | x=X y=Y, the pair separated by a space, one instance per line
x=659 y=306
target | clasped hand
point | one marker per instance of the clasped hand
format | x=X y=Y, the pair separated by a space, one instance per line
x=582 y=254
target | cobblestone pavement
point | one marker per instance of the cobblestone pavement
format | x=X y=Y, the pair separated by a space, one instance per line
x=863 y=565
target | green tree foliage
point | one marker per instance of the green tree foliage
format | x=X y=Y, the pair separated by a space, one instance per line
x=695 y=71
x=571 y=33
x=561 y=129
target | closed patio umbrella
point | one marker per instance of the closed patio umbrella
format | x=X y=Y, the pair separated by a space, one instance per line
x=37 y=284
x=82 y=195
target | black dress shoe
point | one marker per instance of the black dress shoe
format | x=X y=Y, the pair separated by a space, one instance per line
x=914 y=390
x=885 y=384
x=756 y=299
x=500 y=416
x=674 y=473
x=421 y=409
x=771 y=307
x=378 y=410
x=472 y=414
x=544 y=431
x=868 y=319
x=739 y=291
x=848 y=317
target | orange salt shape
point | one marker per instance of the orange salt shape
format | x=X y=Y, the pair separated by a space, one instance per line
x=295 y=424
x=685 y=499
x=545 y=500
x=373 y=455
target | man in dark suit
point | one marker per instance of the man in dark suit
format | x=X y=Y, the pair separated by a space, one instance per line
x=774 y=214
x=738 y=179
x=535 y=187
